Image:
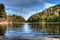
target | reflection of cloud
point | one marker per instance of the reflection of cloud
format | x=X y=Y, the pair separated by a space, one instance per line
x=25 y=7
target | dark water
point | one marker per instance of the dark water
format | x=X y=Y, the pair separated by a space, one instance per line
x=34 y=30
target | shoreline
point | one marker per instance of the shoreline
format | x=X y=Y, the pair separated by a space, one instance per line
x=27 y=38
x=6 y=22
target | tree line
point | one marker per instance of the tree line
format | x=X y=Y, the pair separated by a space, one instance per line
x=51 y=14
x=12 y=18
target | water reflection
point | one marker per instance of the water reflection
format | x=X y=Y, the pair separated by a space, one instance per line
x=33 y=30
x=3 y=28
x=13 y=30
x=26 y=28
x=49 y=28
x=53 y=29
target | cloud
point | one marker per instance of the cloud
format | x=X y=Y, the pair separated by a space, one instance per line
x=47 y=5
x=22 y=3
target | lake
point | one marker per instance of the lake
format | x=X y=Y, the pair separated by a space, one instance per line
x=33 y=30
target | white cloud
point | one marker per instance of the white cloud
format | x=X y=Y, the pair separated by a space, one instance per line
x=47 y=5
x=10 y=12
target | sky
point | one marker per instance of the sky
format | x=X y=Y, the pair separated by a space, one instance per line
x=26 y=8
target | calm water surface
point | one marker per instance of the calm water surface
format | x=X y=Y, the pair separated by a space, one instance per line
x=35 y=30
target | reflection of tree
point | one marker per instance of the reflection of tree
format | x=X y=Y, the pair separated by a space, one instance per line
x=59 y=29
x=38 y=26
x=2 y=29
x=53 y=28
x=45 y=27
x=16 y=25
x=35 y=26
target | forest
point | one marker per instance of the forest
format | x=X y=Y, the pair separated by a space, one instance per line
x=51 y=14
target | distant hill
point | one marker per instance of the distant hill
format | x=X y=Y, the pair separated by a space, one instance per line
x=15 y=18
x=51 y=14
